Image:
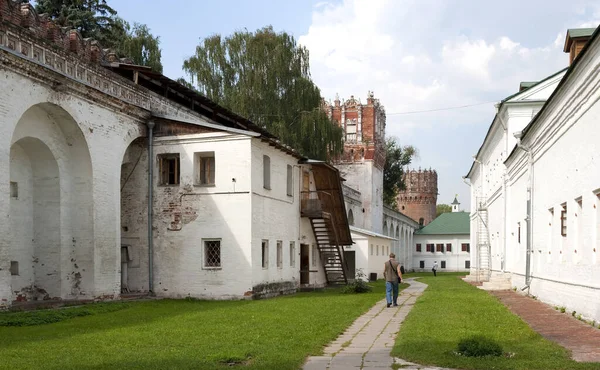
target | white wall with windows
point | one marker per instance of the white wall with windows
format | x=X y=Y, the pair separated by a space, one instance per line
x=275 y=209
x=450 y=251
x=372 y=250
x=558 y=159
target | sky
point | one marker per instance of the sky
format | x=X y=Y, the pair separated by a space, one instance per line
x=415 y=55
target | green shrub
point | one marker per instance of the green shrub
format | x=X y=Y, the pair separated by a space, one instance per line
x=479 y=346
x=41 y=317
x=359 y=285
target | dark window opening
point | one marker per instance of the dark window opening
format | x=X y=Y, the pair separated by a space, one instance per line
x=169 y=169
x=422 y=264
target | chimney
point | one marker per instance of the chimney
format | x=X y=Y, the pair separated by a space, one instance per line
x=576 y=40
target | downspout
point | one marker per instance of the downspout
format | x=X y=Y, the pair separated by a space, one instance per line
x=529 y=216
x=504 y=195
x=150 y=125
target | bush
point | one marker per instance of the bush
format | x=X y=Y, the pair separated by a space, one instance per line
x=479 y=346
x=359 y=285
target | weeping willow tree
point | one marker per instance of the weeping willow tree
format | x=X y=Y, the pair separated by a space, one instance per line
x=265 y=77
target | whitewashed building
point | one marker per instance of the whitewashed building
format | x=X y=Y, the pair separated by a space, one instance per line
x=535 y=184
x=117 y=179
x=445 y=240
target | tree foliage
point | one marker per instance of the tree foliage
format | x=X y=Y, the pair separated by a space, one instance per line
x=397 y=157
x=442 y=208
x=265 y=77
x=96 y=19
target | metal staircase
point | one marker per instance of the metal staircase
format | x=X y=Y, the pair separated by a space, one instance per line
x=484 y=267
x=330 y=252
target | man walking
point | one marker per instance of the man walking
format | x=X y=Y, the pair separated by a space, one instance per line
x=434 y=268
x=392 y=275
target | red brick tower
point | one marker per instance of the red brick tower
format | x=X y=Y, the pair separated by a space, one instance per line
x=364 y=129
x=419 y=200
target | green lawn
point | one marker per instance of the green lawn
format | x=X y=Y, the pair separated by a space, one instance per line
x=268 y=334
x=450 y=310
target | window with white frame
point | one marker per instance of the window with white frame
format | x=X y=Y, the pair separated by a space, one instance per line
x=279 y=254
x=204 y=167
x=265 y=254
x=292 y=254
x=266 y=172
x=212 y=253
x=290 y=180
x=351 y=125
x=314 y=255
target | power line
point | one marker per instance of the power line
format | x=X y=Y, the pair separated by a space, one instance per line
x=438 y=109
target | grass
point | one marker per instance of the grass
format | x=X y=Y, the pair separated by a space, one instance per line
x=450 y=310
x=41 y=317
x=177 y=334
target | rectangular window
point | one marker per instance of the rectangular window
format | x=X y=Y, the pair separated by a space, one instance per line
x=371 y=249
x=448 y=247
x=518 y=232
x=388 y=250
x=212 y=253
x=14 y=189
x=467 y=264
x=266 y=172
x=465 y=247
x=14 y=268
x=292 y=254
x=443 y=264
x=169 y=169
x=279 y=254
x=439 y=247
x=418 y=247
x=290 y=182
x=314 y=255
x=563 y=220
x=205 y=168
x=265 y=254
x=431 y=248
x=377 y=250
x=422 y=264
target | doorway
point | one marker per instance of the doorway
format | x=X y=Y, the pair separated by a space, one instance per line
x=350 y=258
x=304 y=264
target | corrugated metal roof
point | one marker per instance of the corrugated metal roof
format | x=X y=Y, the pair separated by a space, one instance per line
x=448 y=223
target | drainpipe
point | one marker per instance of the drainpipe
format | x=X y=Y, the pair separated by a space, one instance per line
x=504 y=179
x=528 y=219
x=150 y=125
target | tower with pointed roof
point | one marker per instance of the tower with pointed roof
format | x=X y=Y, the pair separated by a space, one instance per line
x=455 y=204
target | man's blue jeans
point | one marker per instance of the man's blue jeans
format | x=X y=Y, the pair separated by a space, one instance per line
x=391 y=292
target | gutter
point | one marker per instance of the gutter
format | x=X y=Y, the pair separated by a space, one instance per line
x=150 y=125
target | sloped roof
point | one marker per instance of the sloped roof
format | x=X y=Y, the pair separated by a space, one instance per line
x=514 y=96
x=455 y=201
x=448 y=223
x=370 y=233
x=562 y=82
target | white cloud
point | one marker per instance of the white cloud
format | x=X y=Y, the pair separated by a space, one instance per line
x=427 y=54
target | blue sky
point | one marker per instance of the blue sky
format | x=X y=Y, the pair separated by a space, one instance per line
x=414 y=54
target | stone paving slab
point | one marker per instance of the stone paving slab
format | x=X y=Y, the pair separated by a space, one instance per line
x=580 y=338
x=368 y=342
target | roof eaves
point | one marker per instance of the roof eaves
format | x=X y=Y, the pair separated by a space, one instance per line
x=562 y=82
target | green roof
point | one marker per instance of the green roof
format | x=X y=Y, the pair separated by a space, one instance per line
x=448 y=223
x=580 y=32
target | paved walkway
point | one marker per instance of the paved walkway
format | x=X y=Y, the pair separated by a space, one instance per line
x=580 y=338
x=368 y=342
